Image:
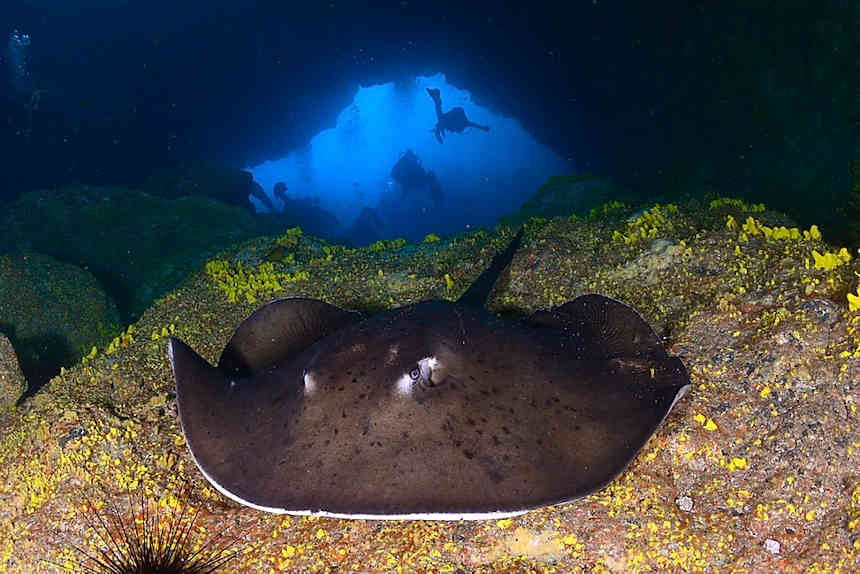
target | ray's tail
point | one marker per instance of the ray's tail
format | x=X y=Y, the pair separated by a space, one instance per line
x=479 y=291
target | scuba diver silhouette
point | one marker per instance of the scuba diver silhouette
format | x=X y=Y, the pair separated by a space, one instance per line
x=454 y=120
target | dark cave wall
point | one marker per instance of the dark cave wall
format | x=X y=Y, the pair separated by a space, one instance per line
x=126 y=92
x=757 y=97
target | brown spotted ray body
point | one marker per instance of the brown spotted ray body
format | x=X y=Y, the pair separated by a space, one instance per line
x=435 y=410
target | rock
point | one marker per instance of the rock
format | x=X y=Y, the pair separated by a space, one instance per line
x=227 y=185
x=52 y=312
x=825 y=312
x=685 y=503
x=646 y=268
x=137 y=245
x=544 y=546
x=763 y=447
x=564 y=195
x=12 y=382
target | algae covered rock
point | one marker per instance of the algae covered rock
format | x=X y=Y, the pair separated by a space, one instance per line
x=138 y=245
x=660 y=255
x=12 y=382
x=564 y=195
x=231 y=186
x=52 y=312
x=754 y=470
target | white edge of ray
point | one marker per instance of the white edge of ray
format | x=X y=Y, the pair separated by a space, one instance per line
x=359 y=516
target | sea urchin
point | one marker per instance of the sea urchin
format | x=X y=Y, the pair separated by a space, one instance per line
x=148 y=539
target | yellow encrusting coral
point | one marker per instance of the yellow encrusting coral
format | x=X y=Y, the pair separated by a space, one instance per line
x=740 y=204
x=238 y=282
x=646 y=225
x=94 y=351
x=384 y=244
x=165 y=332
x=854 y=300
x=123 y=340
x=535 y=222
x=828 y=260
x=754 y=227
x=608 y=208
x=290 y=238
x=731 y=222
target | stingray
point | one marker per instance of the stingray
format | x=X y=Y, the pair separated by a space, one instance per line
x=434 y=410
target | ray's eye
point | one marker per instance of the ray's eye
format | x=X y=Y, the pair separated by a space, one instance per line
x=427 y=374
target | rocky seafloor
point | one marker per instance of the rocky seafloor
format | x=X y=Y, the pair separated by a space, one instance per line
x=757 y=469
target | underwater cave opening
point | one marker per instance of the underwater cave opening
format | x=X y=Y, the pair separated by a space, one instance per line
x=383 y=172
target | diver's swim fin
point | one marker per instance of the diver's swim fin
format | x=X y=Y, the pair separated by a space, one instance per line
x=437 y=101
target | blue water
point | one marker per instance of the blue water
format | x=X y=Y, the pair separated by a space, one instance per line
x=483 y=175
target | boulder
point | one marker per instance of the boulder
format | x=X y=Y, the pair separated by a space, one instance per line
x=564 y=195
x=52 y=312
x=138 y=245
x=202 y=178
x=12 y=381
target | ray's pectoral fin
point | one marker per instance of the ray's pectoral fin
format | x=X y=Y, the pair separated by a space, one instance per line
x=277 y=331
x=603 y=328
x=215 y=413
x=192 y=372
x=199 y=386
